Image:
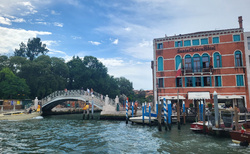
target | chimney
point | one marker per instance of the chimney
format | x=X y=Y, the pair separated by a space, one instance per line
x=240 y=21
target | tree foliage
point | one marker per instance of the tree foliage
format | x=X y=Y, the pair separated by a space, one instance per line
x=12 y=86
x=33 y=48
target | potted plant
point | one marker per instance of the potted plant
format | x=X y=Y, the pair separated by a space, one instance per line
x=209 y=106
x=191 y=105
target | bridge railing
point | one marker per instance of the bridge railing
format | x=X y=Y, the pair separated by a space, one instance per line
x=69 y=93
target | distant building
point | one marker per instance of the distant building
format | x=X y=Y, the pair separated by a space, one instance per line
x=210 y=61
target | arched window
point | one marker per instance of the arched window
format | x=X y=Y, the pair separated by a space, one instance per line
x=178 y=61
x=197 y=63
x=217 y=60
x=238 y=58
x=205 y=62
x=188 y=64
x=160 y=64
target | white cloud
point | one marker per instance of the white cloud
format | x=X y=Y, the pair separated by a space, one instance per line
x=30 y=8
x=5 y=21
x=137 y=72
x=127 y=29
x=115 y=41
x=42 y=23
x=11 y=38
x=112 y=62
x=76 y=37
x=18 y=20
x=53 y=12
x=51 y=43
x=58 y=24
x=94 y=43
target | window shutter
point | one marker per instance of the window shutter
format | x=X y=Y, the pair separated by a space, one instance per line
x=215 y=61
x=194 y=82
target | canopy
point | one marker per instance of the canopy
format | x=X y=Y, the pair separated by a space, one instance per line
x=229 y=97
x=172 y=97
x=198 y=95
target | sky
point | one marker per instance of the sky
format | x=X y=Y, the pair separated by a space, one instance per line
x=119 y=33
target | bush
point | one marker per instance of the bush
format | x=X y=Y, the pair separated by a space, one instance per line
x=191 y=105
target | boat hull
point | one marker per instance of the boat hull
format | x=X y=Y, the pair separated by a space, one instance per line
x=240 y=138
x=198 y=126
x=140 y=121
x=19 y=116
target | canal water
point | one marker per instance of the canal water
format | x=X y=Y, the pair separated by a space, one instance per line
x=70 y=134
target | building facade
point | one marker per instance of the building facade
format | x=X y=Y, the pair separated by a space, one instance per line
x=211 y=62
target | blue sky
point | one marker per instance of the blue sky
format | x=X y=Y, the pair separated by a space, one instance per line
x=119 y=33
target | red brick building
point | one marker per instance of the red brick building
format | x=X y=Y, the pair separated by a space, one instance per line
x=210 y=61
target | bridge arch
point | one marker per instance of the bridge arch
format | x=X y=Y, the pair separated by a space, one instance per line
x=59 y=97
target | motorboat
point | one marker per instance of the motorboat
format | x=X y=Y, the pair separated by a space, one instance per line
x=19 y=115
x=198 y=126
x=242 y=136
x=139 y=119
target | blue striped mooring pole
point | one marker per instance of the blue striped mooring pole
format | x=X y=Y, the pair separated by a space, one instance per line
x=127 y=111
x=184 y=113
x=169 y=114
x=143 y=113
x=165 y=113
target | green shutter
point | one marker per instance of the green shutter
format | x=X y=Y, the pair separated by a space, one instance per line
x=219 y=81
x=215 y=63
x=202 y=81
x=194 y=82
x=160 y=64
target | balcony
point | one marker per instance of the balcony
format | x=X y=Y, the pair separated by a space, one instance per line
x=197 y=70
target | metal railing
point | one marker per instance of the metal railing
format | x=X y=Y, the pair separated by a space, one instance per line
x=97 y=98
x=197 y=70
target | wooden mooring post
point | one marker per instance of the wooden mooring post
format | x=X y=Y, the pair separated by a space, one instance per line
x=159 y=115
x=83 y=114
x=88 y=113
x=178 y=111
x=143 y=113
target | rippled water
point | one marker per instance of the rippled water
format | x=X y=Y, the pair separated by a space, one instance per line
x=70 y=134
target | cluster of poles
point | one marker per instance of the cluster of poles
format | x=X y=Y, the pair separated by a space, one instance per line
x=167 y=113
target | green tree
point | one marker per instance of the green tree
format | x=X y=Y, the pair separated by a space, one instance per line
x=4 y=62
x=125 y=86
x=12 y=86
x=33 y=48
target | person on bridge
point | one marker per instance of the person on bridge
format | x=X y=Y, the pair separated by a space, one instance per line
x=88 y=91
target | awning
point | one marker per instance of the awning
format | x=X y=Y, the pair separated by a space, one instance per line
x=172 y=97
x=229 y=97
x=198 y=95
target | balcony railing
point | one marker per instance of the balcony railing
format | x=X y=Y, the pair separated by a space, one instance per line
x=197 y=70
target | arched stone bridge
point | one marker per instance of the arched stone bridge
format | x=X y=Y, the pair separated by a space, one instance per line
x=59 y=97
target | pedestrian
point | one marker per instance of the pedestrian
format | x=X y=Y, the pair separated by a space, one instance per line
x=88 y=91
x=92 y=91
x=65 y=90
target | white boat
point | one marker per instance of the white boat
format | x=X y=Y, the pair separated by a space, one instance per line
x=19 y=115
x=139 y=119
